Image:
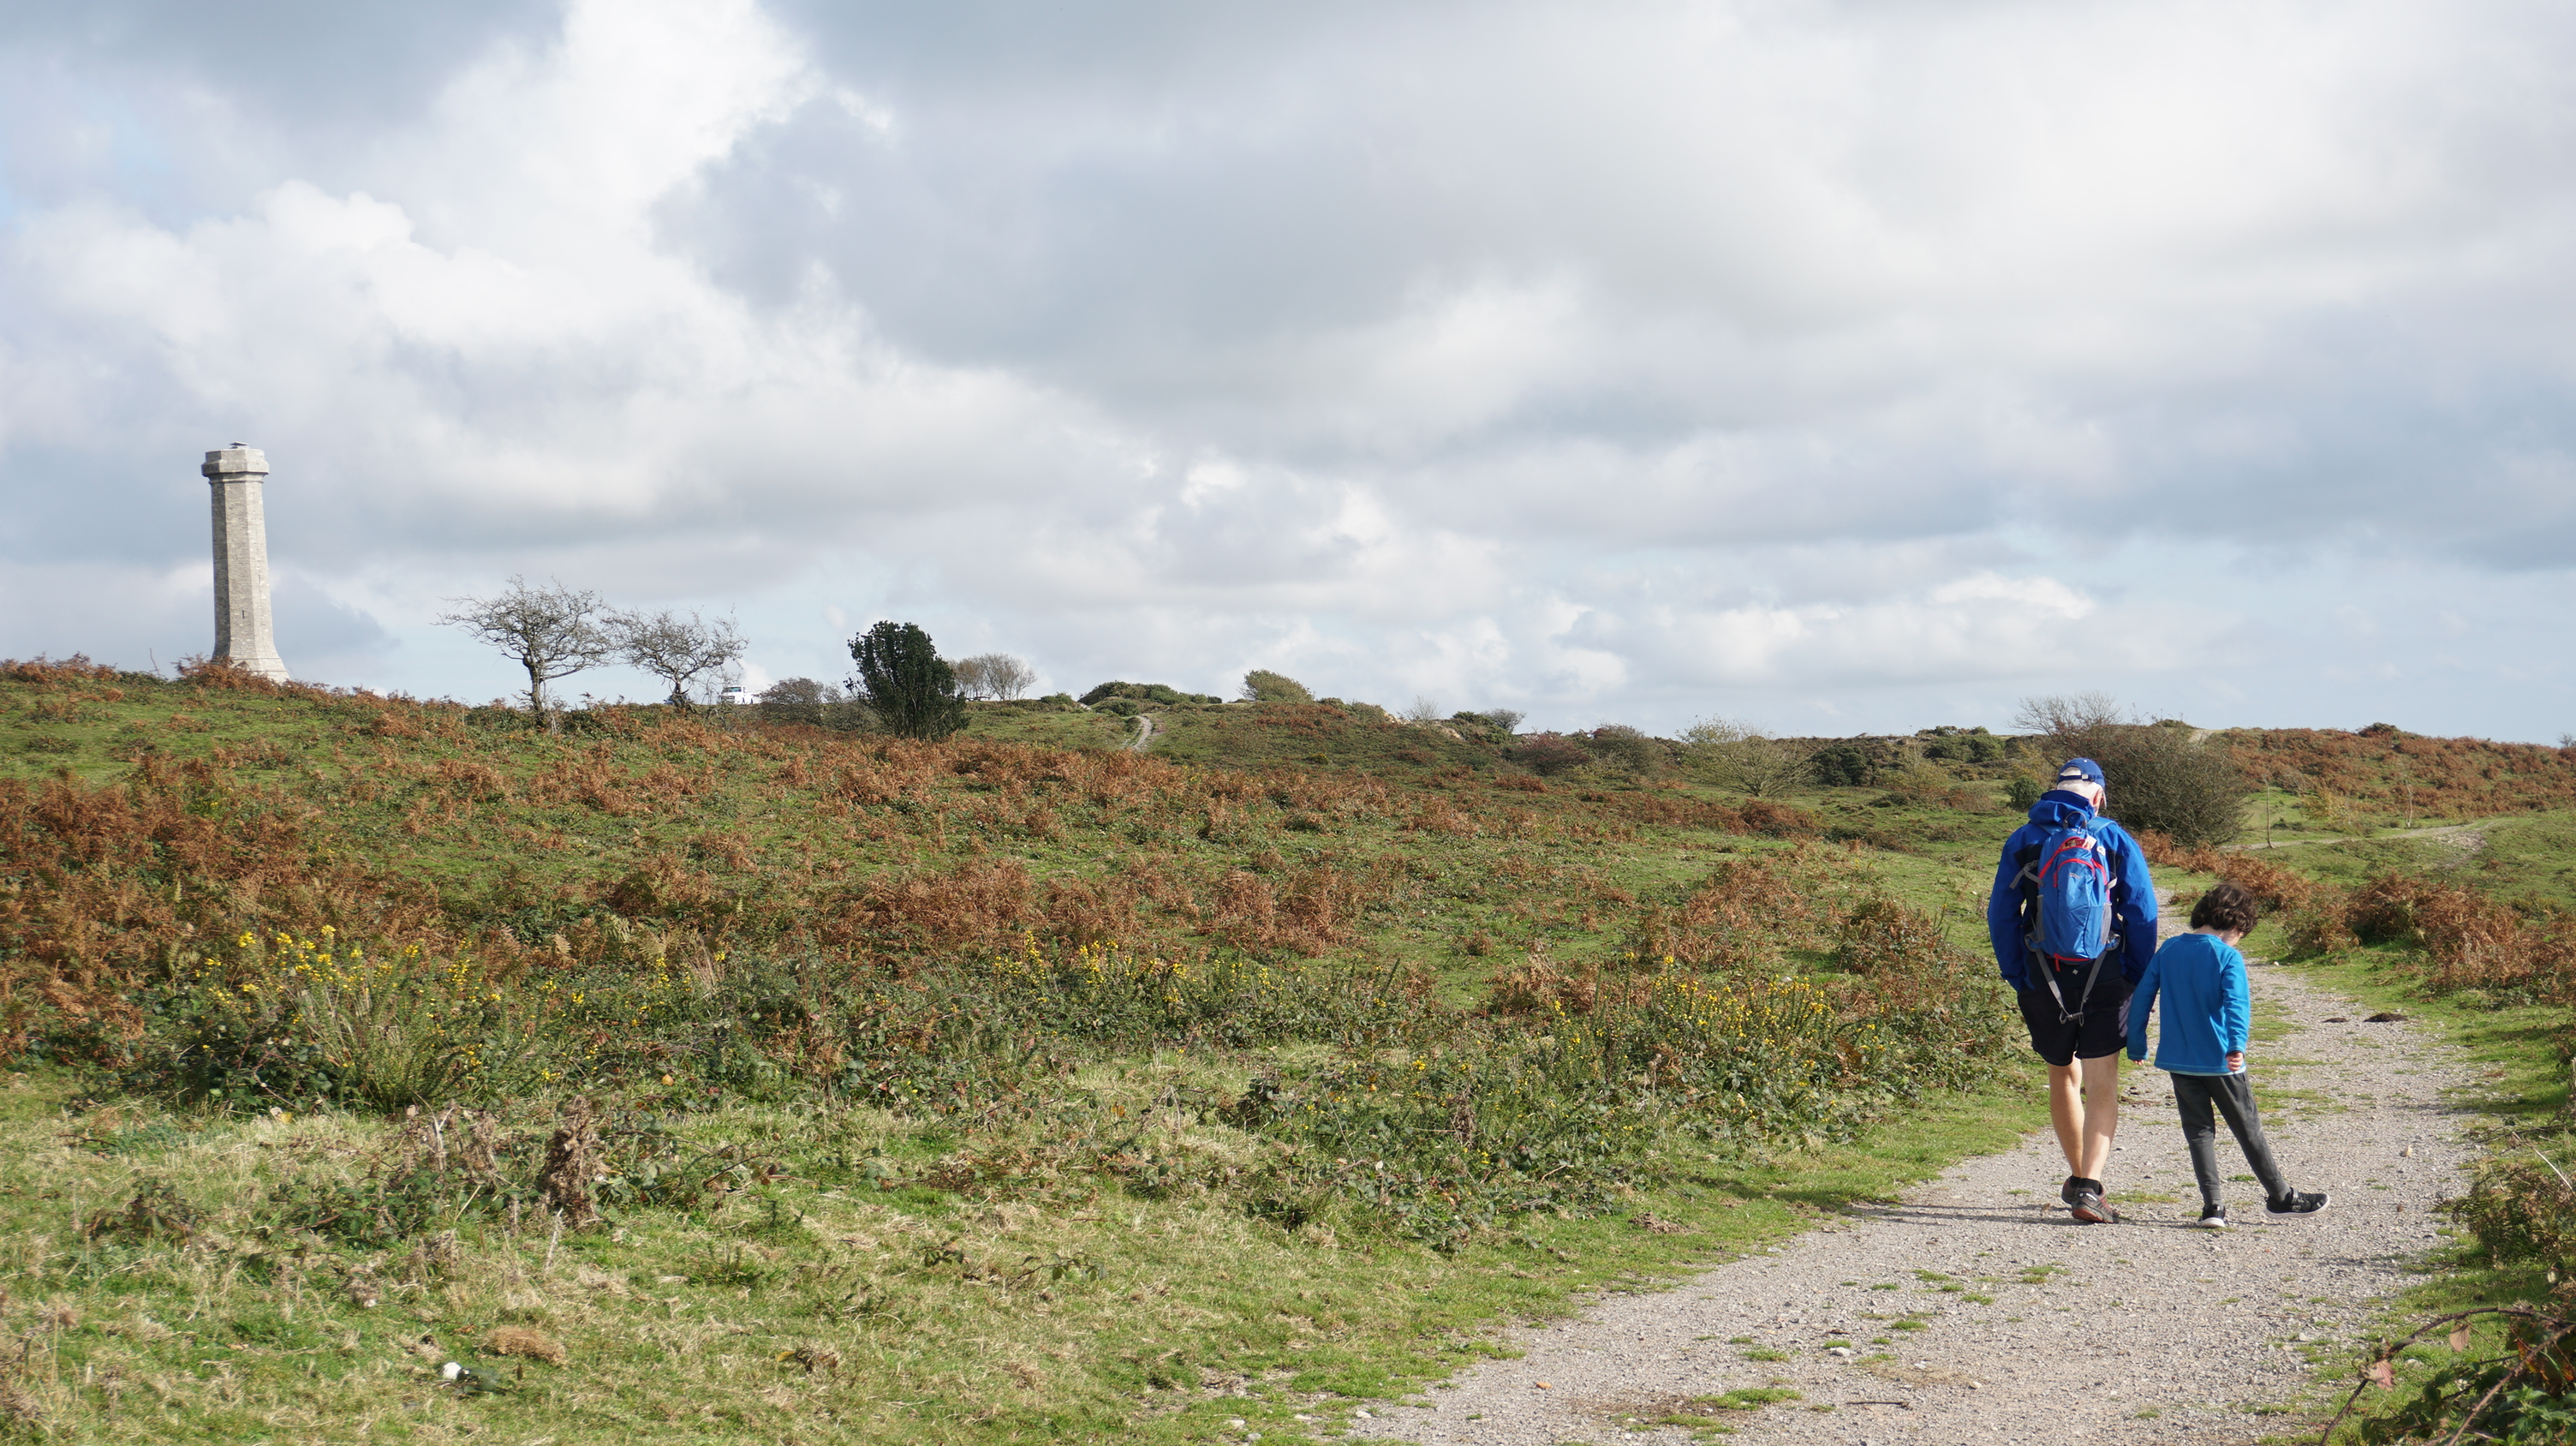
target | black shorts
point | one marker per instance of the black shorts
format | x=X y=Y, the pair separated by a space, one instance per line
x=2104 y=1029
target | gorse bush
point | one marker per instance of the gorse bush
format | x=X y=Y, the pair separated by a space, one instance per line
x=318 y=1019
x=1952 y=744
x=1261 y=685
x=1626 y=749
x=1145 y=693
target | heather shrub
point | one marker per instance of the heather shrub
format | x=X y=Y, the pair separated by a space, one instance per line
x=1549 y=754
x=1625 y=749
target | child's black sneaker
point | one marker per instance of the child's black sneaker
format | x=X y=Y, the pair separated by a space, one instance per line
x=2092 y=1209
x=2298 y=1202
x=2213 y=1218
x=2074 y=1187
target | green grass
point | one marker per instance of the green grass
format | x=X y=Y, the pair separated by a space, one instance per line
x=817 y=1289
x=941 y=1311
x=840 y=1298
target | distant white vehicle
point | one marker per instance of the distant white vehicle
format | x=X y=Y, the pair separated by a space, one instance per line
x=733 y=694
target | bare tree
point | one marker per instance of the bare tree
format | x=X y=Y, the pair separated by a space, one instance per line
x=1011 y=677
x=2061 y=714
x=1423 y=711
x=994 y=675
x=678 y=650
x=552 y=631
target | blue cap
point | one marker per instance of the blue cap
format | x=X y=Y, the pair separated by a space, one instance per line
x=2080 y=770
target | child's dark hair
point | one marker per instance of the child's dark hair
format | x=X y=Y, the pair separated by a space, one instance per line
x=2229 y=907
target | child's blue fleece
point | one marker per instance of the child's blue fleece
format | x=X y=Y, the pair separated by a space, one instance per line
x=2209 y=1011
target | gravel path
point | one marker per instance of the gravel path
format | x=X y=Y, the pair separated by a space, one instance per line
x=2033 y=1328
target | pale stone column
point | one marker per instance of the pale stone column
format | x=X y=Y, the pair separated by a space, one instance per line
x=243 y=636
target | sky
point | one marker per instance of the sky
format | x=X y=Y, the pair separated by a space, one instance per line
x=1835 y=367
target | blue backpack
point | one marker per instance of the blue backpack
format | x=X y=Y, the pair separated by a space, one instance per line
x=2066 y=883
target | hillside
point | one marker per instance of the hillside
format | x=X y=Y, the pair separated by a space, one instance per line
x=294 y=808
x=788 y=1082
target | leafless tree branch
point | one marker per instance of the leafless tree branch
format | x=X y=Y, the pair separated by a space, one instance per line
x=551 y=631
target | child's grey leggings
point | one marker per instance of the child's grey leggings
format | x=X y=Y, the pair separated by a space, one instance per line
x=2234 y=1096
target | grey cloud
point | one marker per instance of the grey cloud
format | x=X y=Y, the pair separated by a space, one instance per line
x=1529 y=352
x=302 y=62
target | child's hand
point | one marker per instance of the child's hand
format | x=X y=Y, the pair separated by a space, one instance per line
x=2236 y=1061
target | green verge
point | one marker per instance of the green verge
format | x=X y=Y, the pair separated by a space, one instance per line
x=2521 y=1106
x=811 y=1307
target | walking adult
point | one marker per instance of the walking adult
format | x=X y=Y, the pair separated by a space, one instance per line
x=2073 y=921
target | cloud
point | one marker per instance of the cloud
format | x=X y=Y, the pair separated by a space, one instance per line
x=1836 y=360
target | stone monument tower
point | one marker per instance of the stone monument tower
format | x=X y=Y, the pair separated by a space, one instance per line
x=243 y=636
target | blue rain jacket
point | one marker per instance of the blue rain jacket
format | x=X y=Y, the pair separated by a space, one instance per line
x=2133 y=891
x=2209 y=1011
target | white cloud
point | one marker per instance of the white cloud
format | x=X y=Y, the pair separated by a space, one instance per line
x=1619 y=362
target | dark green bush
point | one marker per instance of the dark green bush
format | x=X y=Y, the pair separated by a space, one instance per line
x=1842 y=765
x=1162 y=693
x=2159 y=779
x=1950 y=744
x=2160 y=775
x=912 y=691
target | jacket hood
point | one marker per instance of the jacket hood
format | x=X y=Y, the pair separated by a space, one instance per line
x=2061 y=810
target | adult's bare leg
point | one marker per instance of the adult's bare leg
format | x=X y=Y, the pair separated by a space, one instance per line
x=2084 y=1107
x=2066 y=1114
x=2101 y=1116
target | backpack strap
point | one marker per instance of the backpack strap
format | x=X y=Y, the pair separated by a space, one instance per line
x=2092 y=972
x=2026 y=885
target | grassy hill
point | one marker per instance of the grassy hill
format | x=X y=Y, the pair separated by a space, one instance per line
x=704 y=1076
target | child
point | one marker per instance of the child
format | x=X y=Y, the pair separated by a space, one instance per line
x=2208 y=1015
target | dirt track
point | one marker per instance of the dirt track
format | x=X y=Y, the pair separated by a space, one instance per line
x=2033 y=1328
